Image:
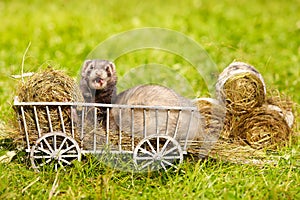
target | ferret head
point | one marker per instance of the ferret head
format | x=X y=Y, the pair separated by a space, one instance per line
x=98 y=73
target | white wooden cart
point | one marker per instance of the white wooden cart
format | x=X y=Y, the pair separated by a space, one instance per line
x=47 y=144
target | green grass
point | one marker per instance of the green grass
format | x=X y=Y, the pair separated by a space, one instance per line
x=62 y=33
x=205 y=180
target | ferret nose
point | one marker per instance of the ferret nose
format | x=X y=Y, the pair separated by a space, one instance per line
x=98 y=73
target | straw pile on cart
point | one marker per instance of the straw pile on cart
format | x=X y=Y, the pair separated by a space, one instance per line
x=48 y=85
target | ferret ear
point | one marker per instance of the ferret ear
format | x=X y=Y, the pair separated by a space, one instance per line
x=85 y=67
x=110 y=68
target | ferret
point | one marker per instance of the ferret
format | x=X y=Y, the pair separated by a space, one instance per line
x=98 y=83
x=147 y=122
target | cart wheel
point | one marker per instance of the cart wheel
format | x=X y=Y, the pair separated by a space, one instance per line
x=56 y=148
x=157 y=151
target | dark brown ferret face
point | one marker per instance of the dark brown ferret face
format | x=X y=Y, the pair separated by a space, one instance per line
x=98 y=73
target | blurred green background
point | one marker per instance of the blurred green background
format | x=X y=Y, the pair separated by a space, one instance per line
x=62 y=33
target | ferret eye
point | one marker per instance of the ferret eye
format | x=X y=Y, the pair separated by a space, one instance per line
x=91 y=66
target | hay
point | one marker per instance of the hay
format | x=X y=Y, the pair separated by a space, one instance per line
x=213 y=113
x=246 y=138
x=230 y=122
x=96 y=136
x=262 y=128
x=274 y=97
x=98 y=139
x=255 y=122
x=234 y=152
x=243 y=92
x=48 y=85
x=283 y=105
x=241 y=88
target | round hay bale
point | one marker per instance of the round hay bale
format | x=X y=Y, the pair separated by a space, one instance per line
x=49 y=85
x=262 y=128
x=241 y=88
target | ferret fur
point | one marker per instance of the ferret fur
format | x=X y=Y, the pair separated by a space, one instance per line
x=155 y=95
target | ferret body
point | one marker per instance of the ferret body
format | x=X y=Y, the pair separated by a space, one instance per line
x=98 y=84
x=147 y=122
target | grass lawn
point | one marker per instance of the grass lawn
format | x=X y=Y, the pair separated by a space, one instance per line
x=63 y=33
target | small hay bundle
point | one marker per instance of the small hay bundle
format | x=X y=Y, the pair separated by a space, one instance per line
x=48 y=86
x=262 y=128
x=213 y=113
x=241 y=88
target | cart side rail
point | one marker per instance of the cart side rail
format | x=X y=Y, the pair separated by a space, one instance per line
x=133 y=123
